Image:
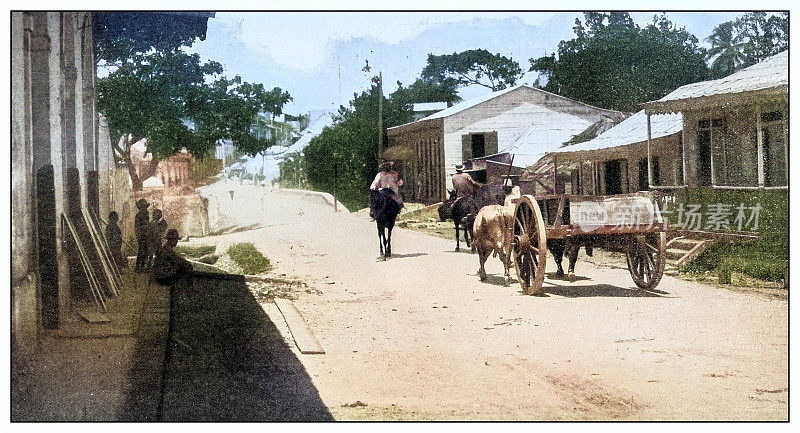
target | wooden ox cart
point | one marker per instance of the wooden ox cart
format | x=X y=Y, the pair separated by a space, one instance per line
x=628 y=223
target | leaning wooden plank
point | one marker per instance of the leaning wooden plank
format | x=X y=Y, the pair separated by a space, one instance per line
x=94 y=285
x=114 y=264
x=298 y=327
x=102 y=253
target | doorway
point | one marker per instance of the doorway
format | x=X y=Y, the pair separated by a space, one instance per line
x=478 y=145
x=704 y=157
x=613 y=177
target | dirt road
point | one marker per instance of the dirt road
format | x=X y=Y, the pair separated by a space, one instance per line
x=420 y=337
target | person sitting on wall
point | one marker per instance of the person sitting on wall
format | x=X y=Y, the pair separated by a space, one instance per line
x=114 y=238
x=169 y=267
x=141 y=227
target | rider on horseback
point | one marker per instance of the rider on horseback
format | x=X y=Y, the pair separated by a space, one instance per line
x=463 y=184
x=388 y=182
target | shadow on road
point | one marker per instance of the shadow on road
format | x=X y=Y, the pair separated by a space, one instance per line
x=227 y=361
x=496 y=280
x=405 y=256
x=598 y=290
x=466 y=250
x=552 y=276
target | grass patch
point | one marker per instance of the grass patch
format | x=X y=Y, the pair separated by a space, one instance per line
x=420 y=214
x=195 y=252
x=760 y=259
x=209 y=259
x=247 y=257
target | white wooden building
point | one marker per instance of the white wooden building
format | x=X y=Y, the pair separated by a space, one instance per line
x=521 y=120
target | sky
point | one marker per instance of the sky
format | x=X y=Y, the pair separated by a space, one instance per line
x=318 y=56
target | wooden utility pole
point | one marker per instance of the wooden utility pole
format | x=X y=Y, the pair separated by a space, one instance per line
x=380 y=116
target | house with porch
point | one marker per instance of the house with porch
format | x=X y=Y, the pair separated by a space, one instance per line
x=522 y=120
x=615 y=162
x=729 y=133
x=735 y=129
x=717 y=150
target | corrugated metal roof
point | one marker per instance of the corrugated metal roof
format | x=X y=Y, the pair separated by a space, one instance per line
x=429 y=106
x=629 y=131
x=541 y=130
x=770 y=73
x=313 y=130
x=469 y=103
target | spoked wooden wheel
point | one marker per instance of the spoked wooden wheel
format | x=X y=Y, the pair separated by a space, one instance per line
x=646 y=258
x=530 y=245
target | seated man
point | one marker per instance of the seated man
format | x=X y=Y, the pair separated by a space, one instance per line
x=463 y=184
x=169 y=266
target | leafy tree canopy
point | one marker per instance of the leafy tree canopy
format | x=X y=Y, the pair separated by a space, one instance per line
x=470 y=67
x=747 y=40
x=155 y=90
x=613 y=63
x=118 y=35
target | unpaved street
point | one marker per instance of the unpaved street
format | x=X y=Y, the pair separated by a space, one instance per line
x=420 y=337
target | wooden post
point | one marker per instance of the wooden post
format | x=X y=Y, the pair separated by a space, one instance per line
x=683 y=152
x=760 y=147
x=649 y=155
x=711 y=147
x=380 y=116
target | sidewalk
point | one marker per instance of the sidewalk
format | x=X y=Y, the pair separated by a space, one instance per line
x=99 y=371
x=228 y=362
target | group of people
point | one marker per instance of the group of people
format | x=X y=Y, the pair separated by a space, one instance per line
x=167 y=265
x=388 y=180
x=149 y=232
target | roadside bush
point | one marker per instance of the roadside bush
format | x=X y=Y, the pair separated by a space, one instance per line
x=194 y=252
x=247 y=257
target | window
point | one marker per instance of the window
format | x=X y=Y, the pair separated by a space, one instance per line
x=644 y=184
x=774 y=149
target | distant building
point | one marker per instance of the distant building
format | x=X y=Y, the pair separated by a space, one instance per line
x=523 y=121
x=425 y=109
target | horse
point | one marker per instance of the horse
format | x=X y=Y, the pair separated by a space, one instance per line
x=386 y=211
x=445 y=209
x=463 y=213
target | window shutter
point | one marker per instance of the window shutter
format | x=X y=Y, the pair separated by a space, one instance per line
x=491 y=142
x=466 y=147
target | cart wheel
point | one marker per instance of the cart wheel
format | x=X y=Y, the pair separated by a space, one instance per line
x=646 y=258
x=530 y=245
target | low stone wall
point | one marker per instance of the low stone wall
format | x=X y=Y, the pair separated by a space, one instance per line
x=328 y=198
x=186 y=213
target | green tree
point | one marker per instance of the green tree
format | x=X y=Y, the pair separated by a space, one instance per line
x=343 y=158
x=746 y=41
x=726 y=54
x=613 y=63
x=478 y=67
x=154 y=90
x=425 y=90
